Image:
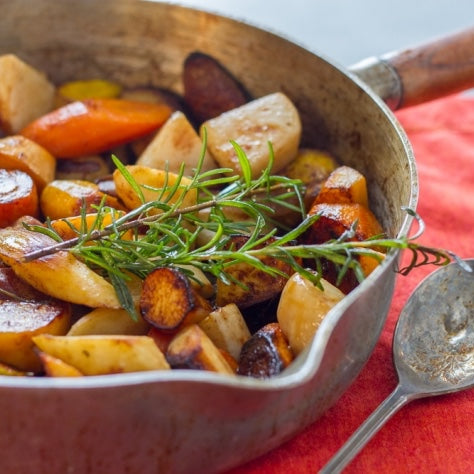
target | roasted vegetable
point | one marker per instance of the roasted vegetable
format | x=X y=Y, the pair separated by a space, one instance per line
x=25 y=94
x=169 y=301
x=89 y=89
x=227 y=329
x=60 y=275
x=25 y=313
x=18 y=196
x=192 y=349
x=176 y=143
x=99 y=355
x=272 y=118
x=20 y=153
x=209 y=88
x=94 y=125
x=66 y=198
x=89 y=168
x=266 y=353
x=302 y=307
x=54 y=367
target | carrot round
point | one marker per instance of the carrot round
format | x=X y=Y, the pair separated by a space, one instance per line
x=95 y=125
x=18 y=196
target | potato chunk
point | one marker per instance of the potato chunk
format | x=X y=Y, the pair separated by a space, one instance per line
x=99 y=355
x=272 y=118
x=192 y=349
x=25 y=94
x=175 y=143
x=302 y=307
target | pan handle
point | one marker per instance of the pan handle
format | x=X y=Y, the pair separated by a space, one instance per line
x=426 y=72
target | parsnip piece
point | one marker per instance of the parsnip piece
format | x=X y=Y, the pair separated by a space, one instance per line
x=98 y=355
x=192 y=349
x=25 y=94
x=162 y=181
x=108 y=321
x=272 y=118
x=65 y=198
x=227 y=329
x=302 y=307
x=60 y=275
x=20 y=153
x=55 y=367
x=169 y=301
x=175 y=143
x=266 y=353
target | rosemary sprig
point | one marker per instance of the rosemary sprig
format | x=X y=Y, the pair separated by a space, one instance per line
x=173 y=234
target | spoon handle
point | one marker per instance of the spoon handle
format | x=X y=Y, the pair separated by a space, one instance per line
x=364 y=433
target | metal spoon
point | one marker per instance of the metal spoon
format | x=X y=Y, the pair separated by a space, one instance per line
x=433 y=350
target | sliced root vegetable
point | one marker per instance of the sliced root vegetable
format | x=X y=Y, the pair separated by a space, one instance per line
x=169 y=301
x=54 y=367
x=155 y=185
x=25 y=313
x=302 y=307
x=89 y=168
x=345 y=185
x=108 y=321
x=209 y=88
x=108 y=354
x=18 y=196
x=252 y=126
x=191 y=348
x=250 y=285
x=266 y=353
x=25 y=94
x=175 y=143
x=89 y=89
x=95 y=125
x=20 y=153
x=66 y=198
x=60 y=275
x=227 y=329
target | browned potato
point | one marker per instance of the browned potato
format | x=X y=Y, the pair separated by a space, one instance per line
x=20 y=153
x=209 y=88
x=60 y=275
x=192 y=349
x=25 y=94
x=259 y=286
x=25 y=313
x=266 y=353
x=64 y=198
x=108 y=354
x=169 y=301
x=18 y=196
x=54 y=367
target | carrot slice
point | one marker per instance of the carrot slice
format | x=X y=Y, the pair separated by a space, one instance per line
x=95 y=125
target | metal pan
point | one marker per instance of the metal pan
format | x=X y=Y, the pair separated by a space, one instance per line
x=186 y=421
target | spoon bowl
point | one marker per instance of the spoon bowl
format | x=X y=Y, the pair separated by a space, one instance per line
x=433 y=350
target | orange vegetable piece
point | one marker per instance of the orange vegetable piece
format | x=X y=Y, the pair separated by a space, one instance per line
x=95 y=125
x=18 y=196
x=344 y=185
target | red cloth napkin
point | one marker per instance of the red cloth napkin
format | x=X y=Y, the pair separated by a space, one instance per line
x=432 y=435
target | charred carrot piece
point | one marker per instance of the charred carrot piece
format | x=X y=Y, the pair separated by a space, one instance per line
x=95 y=125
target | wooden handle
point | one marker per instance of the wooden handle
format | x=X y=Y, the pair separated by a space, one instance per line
x=423 y=73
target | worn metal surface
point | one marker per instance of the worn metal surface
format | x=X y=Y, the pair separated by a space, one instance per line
x=185 y=421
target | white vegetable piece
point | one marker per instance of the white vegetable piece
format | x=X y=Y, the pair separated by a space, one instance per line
x=272 y=118
x=302 y=308
x=175 y=143
x=25 y=94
